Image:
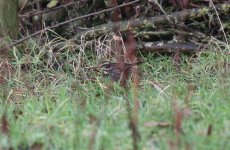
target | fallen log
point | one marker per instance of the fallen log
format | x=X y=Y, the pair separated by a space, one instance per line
x=154 y=47
x=153 y=22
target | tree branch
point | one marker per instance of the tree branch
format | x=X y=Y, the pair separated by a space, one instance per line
x=154 y=22
x=167 y=47
x=69 y=21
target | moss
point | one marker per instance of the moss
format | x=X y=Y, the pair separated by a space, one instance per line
x=226 y=8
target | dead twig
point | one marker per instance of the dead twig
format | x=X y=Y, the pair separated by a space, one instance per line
x=168 y=47
x=154 y=22
x=69 y=21
x=158 y=124
x=33 y=13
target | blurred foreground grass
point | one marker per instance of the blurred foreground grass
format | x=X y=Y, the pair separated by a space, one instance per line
x=54 y=109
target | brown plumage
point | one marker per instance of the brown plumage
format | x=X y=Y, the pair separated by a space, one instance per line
x=117 y=70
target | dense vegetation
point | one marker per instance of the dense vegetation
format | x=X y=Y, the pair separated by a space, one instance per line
x=51 y=96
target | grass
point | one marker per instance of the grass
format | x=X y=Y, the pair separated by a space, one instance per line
x=49 y=106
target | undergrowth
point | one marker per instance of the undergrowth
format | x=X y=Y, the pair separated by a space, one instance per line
x=55 y=100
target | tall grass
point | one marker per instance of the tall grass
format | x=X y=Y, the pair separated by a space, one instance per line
x=54 y=99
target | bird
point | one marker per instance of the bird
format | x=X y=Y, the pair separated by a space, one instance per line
x=115 y=70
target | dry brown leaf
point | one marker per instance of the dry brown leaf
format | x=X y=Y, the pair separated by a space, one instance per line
x=4 y=125
x=36 y=146
x=209 y=131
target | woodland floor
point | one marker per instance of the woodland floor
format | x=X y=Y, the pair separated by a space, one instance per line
x=69 y=114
